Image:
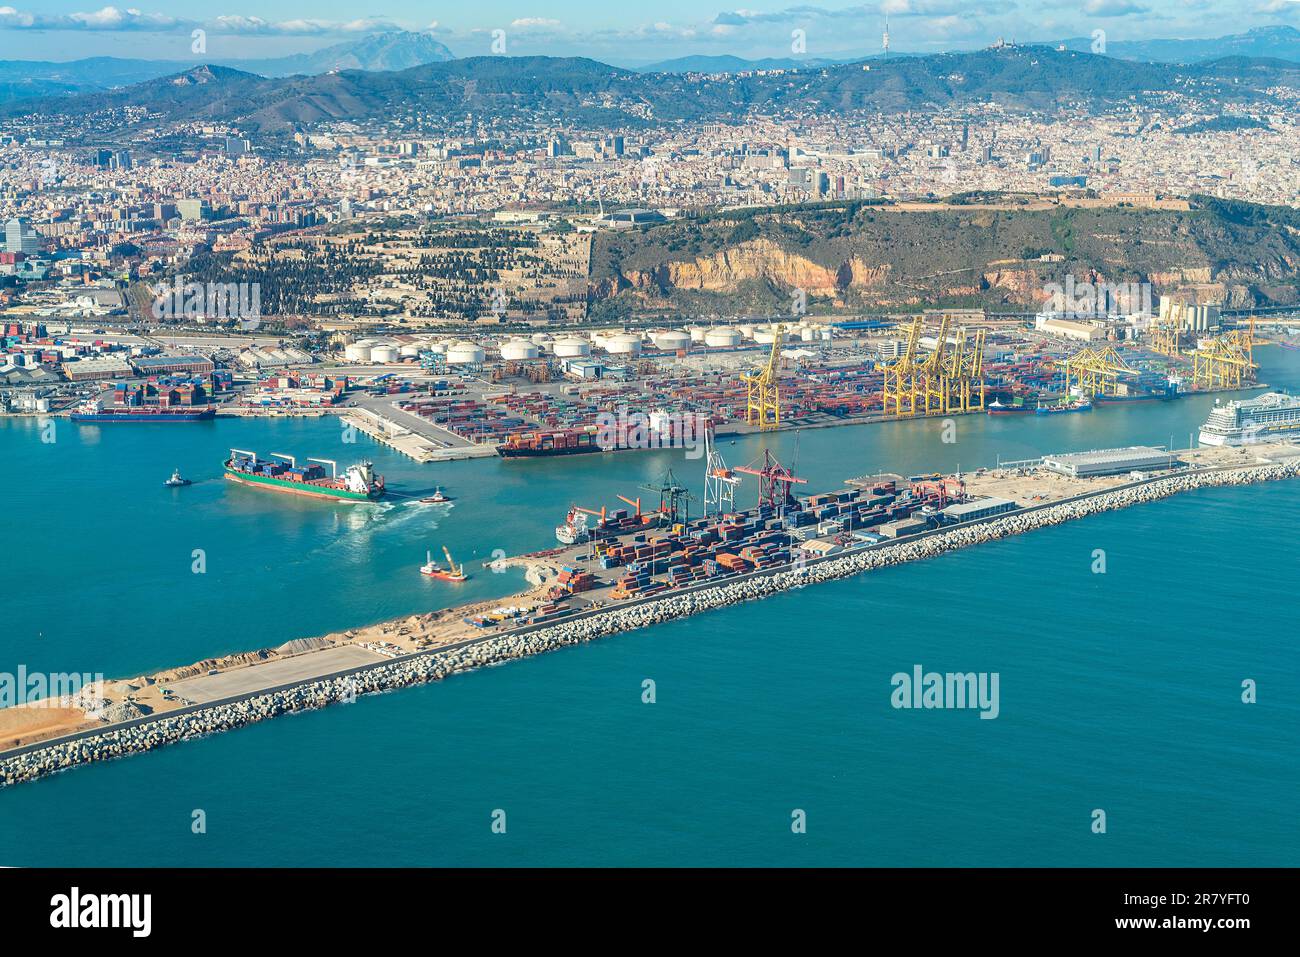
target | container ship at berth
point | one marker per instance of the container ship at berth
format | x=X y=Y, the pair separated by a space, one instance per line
x=564 y=442
x=1077 y=405
x=996 y=407
x=1265 y=418
x=147 y=414
x=358 y=483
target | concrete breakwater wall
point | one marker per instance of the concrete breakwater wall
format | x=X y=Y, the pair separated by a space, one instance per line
x=433 y=665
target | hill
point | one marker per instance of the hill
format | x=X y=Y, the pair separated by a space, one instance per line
x=861 y=256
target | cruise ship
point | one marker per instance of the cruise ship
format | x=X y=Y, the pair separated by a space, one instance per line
x=1265 y=418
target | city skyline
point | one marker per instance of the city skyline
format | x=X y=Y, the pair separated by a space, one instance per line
x=68 y=29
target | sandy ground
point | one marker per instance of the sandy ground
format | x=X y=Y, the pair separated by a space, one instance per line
x=25 y=724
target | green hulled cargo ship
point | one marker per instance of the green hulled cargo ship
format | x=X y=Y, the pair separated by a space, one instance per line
x=358 y=483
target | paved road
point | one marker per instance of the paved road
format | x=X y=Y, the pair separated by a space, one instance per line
x=314 y=664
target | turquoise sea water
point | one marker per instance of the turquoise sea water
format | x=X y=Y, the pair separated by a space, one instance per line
x=1118 y=691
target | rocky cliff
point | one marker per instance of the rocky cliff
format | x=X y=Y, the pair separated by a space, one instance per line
x=859 y=256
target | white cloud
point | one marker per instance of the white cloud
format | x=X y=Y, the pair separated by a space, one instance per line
x=534 y=23
x=116 y=19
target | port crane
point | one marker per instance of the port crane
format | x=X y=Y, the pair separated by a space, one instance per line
x=1096 y=371
x=1227 y=361
x=774 y=481
x=948 y=380
x=898 y=387
x=1167 y=330
x=674 y=500
x=762 y=394
x=720 y=482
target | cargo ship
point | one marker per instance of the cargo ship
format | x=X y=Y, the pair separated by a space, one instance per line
x=563 y=442
x=1265 y=418
x=148 y=414
x=997 y=408
x=1076 y=405
x=358 y=483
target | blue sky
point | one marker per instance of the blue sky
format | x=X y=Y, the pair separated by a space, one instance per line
x=622 y=33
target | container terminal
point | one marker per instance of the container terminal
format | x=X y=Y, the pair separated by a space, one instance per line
x=435 y=399
x=638 y=556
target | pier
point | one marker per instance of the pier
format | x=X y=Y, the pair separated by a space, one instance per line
x=412 y=436
x=314 y=679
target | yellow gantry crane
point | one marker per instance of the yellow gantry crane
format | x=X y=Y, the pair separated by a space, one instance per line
x=1227 y=361
x=949 y=380
x=1096 y=371
x=1166 y=331
x=964 y=389
x=762 y=394
x=898 y=388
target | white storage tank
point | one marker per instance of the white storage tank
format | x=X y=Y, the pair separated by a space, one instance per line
x=381 y=355
x=723 y=336
x=624 y=344
x=809 y=334
x=697 y=333
x=409 y=351
x=672 y=340
x=465 y=353
x=540 y=338
x=765 y=337
x=746 y=331
x=517 y=349
x=356 y=352
x=571 y=347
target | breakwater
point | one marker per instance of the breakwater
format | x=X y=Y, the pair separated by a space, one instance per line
x=115 y=742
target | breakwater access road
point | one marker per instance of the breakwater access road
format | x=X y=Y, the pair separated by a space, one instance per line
x=134 y=733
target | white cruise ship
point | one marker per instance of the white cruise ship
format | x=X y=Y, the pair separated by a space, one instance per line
x=1271 y=417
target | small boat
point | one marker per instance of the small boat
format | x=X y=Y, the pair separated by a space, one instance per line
x=437 y=498
x=452 y=573
x=176 y=481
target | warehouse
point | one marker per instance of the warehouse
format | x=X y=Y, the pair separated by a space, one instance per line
x=159 y=365
x=1108 y=461
x=980 y=508
x=97 y=367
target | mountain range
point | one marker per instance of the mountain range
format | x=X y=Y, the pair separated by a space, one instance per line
x=579 y=90
x=1276 y=42
x=394 y=50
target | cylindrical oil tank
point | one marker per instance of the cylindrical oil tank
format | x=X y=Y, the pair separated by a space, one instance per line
x=465 y=353
x=568 y=348
x=356 y=352
x=722 y=336
x=624 y=344
x=672 y=340
x=383 y=354
x=517 y=349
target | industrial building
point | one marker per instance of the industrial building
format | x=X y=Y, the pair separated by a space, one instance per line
x=1107 y=461
x=160 y=365
x=980 y=508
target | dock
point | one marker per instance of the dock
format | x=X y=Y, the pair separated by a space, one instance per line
x=412 y=436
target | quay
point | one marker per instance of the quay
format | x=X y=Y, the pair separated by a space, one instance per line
x=412 y=436
x=430 y=647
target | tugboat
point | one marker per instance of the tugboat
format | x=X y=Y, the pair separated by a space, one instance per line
x=452 y=573
x=437 y=498
x=176 y=481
